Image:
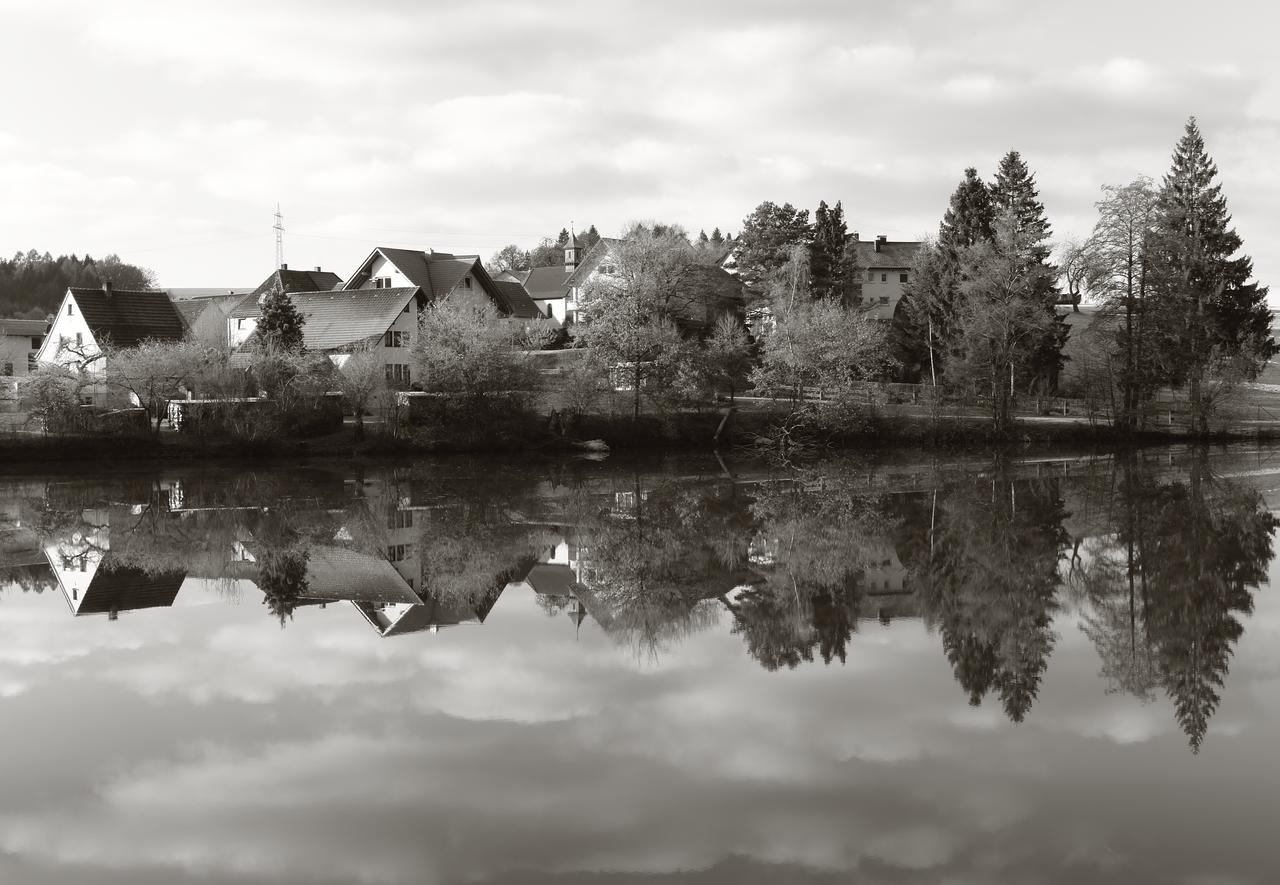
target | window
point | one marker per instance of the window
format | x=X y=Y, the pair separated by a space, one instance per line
x=8 y=370
x=397 y=375
x=399 y=552
x=400 y=519
x=902 y=278
x=70 y=309
x=466 y=282
x=394 y=339
x=36 y=342
x=871 y=276
x=884 y=299
x=884 y=278
x=32 y=365
x=79 y=339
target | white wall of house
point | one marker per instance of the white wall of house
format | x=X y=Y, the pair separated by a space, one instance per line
x=407 y=326
x=239 y=330
x=69 y=329
x=881 y=283
x=16 y=353
x=384 y=269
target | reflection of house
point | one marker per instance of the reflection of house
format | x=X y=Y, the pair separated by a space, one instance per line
x=397 y=619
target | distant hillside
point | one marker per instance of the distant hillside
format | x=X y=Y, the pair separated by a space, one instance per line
x=32 y=285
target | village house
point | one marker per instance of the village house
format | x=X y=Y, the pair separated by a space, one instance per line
x=885 y=266
x=549 y=286
x=381 y=302
x=88 y=320
x=20 y=342
x=205 y=312
x=704 y=294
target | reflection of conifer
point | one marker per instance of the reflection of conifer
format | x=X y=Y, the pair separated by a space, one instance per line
x=1204 y=550
x=988 y=579
x=282 y=578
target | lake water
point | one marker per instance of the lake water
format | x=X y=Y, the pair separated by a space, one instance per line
x=890 y=670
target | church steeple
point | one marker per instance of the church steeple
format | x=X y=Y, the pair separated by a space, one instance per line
x=571 y=251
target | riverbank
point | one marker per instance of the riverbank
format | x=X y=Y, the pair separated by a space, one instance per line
x=754 y=429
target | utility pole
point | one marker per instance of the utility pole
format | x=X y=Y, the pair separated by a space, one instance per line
x=279 y=229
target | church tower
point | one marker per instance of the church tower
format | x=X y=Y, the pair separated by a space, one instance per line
x=571 y=252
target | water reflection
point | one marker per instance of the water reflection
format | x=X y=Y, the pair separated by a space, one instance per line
x=1159 y=565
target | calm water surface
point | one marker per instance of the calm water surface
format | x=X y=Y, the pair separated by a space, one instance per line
x=1031 y=671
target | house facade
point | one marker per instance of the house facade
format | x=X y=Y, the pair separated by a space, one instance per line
x=20 y=342
x=885 y=267
x=381 y=304
x=89 y=319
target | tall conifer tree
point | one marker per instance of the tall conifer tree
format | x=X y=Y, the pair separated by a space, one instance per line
x=829 y=259
x=1214 y=312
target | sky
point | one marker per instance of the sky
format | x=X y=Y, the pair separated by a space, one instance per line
x=169 y=132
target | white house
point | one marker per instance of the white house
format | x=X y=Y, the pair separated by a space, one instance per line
x=383 y=300
x=20 y=342
x=89 y=319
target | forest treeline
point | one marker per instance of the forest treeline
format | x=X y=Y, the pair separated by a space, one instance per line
x=32 y=283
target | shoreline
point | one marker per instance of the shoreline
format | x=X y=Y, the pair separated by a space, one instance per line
x=682 y=433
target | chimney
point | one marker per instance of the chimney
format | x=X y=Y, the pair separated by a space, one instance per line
x=881 y=240
x=318 y=268
x=855 y=236
x=283 y=266
x=106 y=288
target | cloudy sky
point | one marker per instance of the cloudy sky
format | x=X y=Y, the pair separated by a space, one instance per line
x=169 y=131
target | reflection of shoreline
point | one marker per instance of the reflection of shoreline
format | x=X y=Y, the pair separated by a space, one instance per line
x=798 y=566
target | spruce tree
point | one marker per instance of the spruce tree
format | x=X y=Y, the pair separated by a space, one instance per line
x=1014 y=195
x=281 y=324
x=829 y=264
x=969 y=218
x=1213 y=313
x=717 y=238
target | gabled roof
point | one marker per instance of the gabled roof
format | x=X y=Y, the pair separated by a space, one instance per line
x=424 y=615
x=127 y=317
x=437 y=273
x=335 y=573
x=128 y=589
x=290 y=281
x=515 y=295
x=591 y=260
x=340 y=318
x=894 y=255
x=547 y=282
x=23 y=328
x=187 y=294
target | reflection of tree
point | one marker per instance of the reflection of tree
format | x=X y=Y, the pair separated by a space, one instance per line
x=987 y=570
x=282 y=578
x=818 y=535
x=1204 y=548
x=654 y=556
x=1165 y=585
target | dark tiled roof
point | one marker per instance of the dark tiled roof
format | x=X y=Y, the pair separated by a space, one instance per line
x=129 y=589
x=191 y=309
x=410 y=262
x=335 y=573
x=517 y=299
x=340 y=318
x=437 y=273
x=551 y=579
x=23 y=328
x=299 y=281
x=547 y=282
x=892 y=255
x=127 y=318
x=187 y=294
